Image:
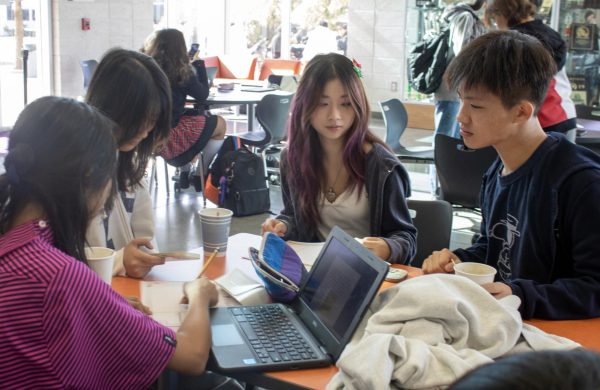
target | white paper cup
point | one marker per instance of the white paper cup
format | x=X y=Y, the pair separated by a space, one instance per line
x=100 y=260
x=477 y=272
x=215 y=229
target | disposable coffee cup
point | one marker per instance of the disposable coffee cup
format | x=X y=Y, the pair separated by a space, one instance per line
x=215 y=229
x=101 y=260
x=477 y=272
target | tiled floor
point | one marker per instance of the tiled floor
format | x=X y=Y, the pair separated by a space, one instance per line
x=178 y=223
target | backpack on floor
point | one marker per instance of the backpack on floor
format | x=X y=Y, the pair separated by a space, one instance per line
x=237 y=181
x=427 y=62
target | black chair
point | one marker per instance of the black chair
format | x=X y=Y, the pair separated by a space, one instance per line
x=433 y=220
x=88 y=67
x=460 y=171
x=396 y=120
x=272 y=113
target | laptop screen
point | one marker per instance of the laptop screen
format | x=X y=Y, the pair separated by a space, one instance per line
x=211 y=72
x=338 y=286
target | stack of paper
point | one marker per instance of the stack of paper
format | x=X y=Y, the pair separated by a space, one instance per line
x=243 y=288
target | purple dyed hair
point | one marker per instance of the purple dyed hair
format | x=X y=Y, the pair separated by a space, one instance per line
x=304 y=164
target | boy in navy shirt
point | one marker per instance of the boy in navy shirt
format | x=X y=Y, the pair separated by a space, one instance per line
x=539 y=200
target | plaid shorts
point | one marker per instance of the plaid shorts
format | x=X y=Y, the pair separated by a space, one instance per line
x=190 y=135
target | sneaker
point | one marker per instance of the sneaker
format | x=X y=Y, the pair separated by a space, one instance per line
x=184 y=179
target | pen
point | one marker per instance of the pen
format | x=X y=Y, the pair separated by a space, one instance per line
x=210 y=259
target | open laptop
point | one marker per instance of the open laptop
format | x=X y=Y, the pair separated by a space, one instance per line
x=211 y=72
x=313 y=330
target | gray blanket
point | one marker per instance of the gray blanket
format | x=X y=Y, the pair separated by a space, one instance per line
x=428 y=331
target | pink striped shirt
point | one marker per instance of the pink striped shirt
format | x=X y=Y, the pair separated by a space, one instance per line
x=63 y=327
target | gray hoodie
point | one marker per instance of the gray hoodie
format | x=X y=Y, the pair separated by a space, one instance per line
x=464 y=27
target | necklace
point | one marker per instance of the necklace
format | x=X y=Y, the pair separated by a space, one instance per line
x=331 y=195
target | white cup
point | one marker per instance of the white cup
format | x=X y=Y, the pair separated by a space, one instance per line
x=477 y=272
x=100 y=260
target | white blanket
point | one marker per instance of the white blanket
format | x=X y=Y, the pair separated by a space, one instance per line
x=428 y=331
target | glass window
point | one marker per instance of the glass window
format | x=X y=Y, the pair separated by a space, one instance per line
x=253 y=26
x=20 y=28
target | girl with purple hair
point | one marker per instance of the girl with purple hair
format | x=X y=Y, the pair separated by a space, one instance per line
x=337 y=172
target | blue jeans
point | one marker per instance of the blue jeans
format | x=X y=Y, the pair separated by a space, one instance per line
x=445 y=118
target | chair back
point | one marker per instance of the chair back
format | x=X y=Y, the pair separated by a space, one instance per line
x=459 y=171
x=272 y=113
x=395 y=118
x=88 y=67
x=433 y=220
x=234 y=67
x=279 y=67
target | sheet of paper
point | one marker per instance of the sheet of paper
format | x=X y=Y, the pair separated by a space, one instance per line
x=308 y=251
x=164 y=298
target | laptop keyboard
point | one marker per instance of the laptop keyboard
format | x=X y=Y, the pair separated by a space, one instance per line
x=272 y=335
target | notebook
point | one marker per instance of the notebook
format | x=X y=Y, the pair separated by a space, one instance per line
x=313 y=330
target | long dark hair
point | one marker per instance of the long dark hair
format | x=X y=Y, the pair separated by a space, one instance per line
x=61 y=154
x=131 y=89
x=304 y=159
x=167 y=47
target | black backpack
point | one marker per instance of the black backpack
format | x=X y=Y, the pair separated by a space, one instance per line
x=237 y=180
x=427 y=62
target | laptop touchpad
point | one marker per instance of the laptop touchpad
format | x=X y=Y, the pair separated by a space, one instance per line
x=224 y=335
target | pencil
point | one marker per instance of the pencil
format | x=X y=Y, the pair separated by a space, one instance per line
x=210 y=259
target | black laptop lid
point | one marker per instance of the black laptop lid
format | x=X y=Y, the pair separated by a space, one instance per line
x=338 y=290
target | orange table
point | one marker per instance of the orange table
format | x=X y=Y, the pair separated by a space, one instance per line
x=585 y=332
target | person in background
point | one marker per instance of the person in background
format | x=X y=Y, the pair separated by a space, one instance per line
x=335 y=171
x=131 y=89
x=62 y=326
x=192 y=129
x=591 y=64
x=557 y=112
x=275 y=44
x=320 y=40
x=464 y=27
x=342 y=37
x=540 y=220
x=577 y=369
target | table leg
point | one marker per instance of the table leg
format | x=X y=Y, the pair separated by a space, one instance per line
x=250 y=114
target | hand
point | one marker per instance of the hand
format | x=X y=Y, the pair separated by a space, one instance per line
x=440 y=262
x=138 y=263
x=497 y=289
x=200 y=289
x=274 y=225
x=378 y=246
x=138 y=305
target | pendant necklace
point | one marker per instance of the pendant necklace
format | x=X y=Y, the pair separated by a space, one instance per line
x=331 y=195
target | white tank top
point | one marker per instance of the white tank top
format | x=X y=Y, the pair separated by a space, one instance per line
x=349 y=212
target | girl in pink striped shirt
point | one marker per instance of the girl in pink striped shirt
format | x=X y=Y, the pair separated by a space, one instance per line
x=61 y=326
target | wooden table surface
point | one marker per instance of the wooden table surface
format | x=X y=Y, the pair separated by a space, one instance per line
x=585 y=332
